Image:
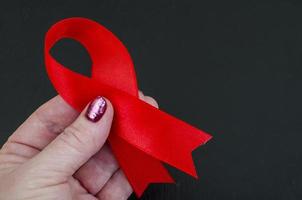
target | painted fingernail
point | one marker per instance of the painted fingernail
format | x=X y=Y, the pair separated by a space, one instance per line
x=96 y=109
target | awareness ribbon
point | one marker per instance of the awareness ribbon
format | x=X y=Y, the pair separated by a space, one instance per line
x=142 y=137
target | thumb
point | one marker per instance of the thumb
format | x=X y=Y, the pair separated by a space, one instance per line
x=78 y=142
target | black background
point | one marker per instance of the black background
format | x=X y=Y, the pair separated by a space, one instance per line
x=231 y=68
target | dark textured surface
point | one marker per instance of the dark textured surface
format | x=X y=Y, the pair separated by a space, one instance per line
x=230 y=68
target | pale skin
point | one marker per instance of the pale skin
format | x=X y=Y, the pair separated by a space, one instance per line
x=58 y=154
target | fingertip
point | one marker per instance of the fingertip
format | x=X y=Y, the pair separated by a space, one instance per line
x=148 y=99
x=141 y=95
x=110 y=109
x=151 y=101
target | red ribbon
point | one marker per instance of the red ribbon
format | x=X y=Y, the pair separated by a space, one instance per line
x=142 y=137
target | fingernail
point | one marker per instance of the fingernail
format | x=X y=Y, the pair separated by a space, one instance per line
x=96 y=109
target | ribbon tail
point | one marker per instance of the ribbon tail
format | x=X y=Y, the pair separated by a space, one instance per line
x=162 y=136
x=139 y=168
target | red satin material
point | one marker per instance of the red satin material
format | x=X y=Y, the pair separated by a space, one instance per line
x=142 y=137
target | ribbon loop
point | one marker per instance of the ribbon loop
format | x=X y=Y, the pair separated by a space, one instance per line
x=109 y=56
x=142 y=137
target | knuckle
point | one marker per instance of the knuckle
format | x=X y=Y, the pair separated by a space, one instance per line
x=71 y=136
x=77 y=136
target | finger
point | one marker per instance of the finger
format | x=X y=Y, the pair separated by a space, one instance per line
x=141 y=95
x=148 y=99
x=79 y=141
x=40 y=128
x=95 y=173
x=117 y=188
x=151 y=101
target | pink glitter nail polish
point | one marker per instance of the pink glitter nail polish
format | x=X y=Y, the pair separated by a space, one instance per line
x=96 y=109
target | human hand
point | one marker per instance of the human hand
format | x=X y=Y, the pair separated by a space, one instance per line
x=58 y=153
